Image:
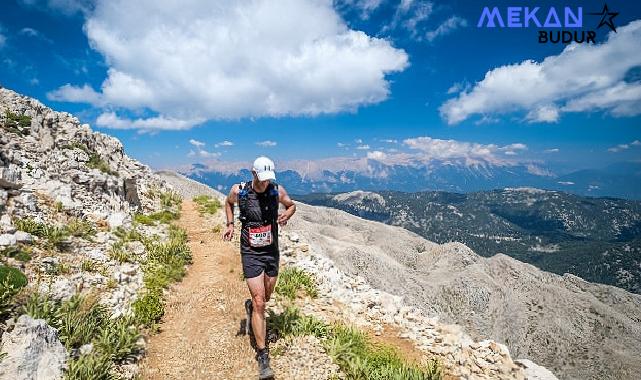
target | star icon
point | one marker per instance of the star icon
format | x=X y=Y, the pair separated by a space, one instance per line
x=606 y=18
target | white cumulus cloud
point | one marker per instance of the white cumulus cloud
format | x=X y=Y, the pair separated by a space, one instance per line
x=582 y=78
x=196 y=143
x=223 y=143
x=197 y=60
x=446 y=27
x=376 y=155
x=111 y=120
x=622 y=147
x=266 y=143
x=469 y=152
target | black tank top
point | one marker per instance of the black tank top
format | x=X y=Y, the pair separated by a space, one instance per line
x=258 y=215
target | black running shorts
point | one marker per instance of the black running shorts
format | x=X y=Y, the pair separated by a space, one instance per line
x=255 y=264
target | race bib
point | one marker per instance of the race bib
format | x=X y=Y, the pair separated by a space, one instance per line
x=260 y=236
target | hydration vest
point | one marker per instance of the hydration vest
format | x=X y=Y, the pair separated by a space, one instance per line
x=257 y=212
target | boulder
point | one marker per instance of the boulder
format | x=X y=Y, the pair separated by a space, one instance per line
x=4 y=196
x=29 y=201
x=23 y=237
x=60 y=289
x=131 y=192
x=533 y=371
x=9 y=179
x=33 y=351
x=119 y=219
x=7 y=239
x=6 y=225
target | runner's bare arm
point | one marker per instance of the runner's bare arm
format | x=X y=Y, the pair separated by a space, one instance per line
x=290 y=206
x=229 y=212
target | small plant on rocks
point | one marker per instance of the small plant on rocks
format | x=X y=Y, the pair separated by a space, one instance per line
x=292 y=280
x=207 y=204
x=119 y=253
x=96 y=162
x=170 y=199
x=164 y=217
x=92 y=366
x=352 y=350
x=17 y=252
x=28 y=225
x=81 y=228
x=88 y=266
x=19 y=124
x=82 y=320
x=149 y=308
x=11 y=282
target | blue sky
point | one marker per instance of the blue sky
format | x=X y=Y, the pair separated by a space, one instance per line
x=178 y=82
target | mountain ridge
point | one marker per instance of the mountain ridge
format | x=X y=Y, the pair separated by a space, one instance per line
x=615 y=180
x=598 y=239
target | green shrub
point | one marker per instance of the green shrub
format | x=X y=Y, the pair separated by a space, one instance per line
x=41 y=306
x=13 y=275
x=77 y=145
x=166 y=261
x=352 y=350
x=170 y=199
x=117 y=252
x=164 y=216
x=149 y=308
x=58 y=206
x=359 y=358
x=17 y=252
x=80 y=320
x=57 y=269
x=8 y=291
x=93 y=366
x=119 y=339
x=54 y=236
x=81 y=228
x=161 y=275
x=292 y=280
x=88 y=266
x=165 y=264
x=96 y=162
x=207 y=204
x=29 y=225
x=19 y=124
x=128 y=235
x=291 y=323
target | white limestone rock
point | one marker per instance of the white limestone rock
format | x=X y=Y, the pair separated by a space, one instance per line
x=33 y=351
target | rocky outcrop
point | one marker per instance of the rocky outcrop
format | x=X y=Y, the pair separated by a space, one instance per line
x=33 y=351
x=86 y=172
x=56 y=173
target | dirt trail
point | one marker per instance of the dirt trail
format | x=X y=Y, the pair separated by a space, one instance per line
x=199 y=337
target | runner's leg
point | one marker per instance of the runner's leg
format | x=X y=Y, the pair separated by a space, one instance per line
x=256 y=287
x=270 y=284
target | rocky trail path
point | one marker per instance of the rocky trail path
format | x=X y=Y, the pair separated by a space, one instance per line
x=199 y=335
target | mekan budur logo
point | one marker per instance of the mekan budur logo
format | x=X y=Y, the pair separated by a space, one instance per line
x=560 y=25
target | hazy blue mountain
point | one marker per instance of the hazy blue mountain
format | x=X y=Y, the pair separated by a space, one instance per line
x=598 y=239
x=621 y=180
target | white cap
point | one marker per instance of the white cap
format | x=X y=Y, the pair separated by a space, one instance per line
x=264 y=168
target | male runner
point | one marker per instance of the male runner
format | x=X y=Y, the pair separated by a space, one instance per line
x=258 y=202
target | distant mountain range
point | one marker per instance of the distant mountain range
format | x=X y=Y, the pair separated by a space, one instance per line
x=598 y=239
x=620 y=180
